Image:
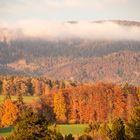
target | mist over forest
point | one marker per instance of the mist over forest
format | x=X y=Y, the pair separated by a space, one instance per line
x=81 y=51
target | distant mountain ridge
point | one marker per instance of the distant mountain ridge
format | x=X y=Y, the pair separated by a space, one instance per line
x=121 y=22
x=117 y=67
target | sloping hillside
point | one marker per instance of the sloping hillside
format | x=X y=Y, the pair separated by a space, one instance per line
x=116 y=67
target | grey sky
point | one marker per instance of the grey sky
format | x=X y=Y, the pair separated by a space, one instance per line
x=62 y=10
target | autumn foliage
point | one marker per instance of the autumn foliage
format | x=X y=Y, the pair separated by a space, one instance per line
x=67 y=101
x=95 y=103
x=9 y=113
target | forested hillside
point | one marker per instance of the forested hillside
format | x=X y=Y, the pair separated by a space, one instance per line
x=73 y=59
x=81 y=59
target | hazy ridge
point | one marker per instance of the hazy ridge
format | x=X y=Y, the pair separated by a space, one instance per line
x=79 y=53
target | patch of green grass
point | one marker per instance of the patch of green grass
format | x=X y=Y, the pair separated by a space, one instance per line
x=5 y=131
x=26 y=99
x=75 y=129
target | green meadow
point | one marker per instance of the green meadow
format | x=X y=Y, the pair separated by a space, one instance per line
x=5 y=131
x=75 y=129
x=26 y=99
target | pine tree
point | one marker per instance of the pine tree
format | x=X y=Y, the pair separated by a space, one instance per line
x=92 y=128
x=116 y=131
x=69 y=137
x=133 y=126
x=30 y=126
x=33 y=127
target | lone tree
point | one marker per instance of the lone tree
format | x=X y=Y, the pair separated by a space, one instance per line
x=133 y=125
x=32 y=127
x=117 y=130
x=92 y=128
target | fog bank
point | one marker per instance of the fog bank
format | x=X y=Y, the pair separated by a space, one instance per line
x=82 y=29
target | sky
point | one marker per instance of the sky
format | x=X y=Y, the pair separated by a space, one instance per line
x=47 y=18
x=12 y=11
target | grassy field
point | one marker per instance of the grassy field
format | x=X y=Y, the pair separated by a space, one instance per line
x=75 y=129
x=26 y=99
x=5 y=131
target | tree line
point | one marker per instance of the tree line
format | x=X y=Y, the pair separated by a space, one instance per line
x=69 y=102
x=30 y=86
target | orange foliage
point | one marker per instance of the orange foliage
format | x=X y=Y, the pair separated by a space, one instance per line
x=10 y=112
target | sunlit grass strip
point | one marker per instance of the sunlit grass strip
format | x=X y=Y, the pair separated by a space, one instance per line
x=26 y=99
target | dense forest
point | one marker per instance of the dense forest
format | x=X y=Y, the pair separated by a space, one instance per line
x=71 y=102
x=79 y=59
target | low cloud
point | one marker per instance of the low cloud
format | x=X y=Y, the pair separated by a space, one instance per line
x=82 y=29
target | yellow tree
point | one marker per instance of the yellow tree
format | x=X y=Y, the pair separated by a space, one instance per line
x=60 y=107
x=1 y=114
x=10 y=112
